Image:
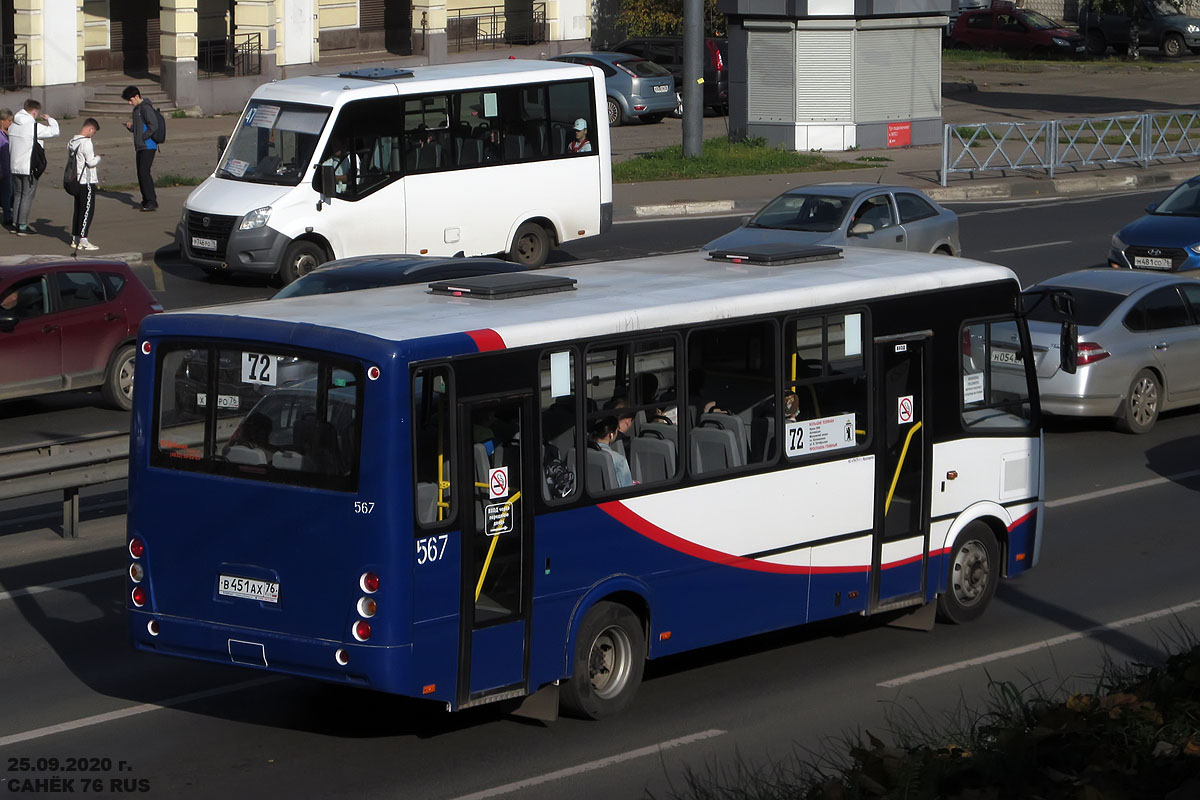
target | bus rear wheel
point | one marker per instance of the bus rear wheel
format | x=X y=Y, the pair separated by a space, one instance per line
x=531 y=246
x=973 y=575
x=300 y=258
x=610 y=655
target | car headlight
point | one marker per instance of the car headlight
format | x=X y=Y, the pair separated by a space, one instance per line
x=1193 y=28
x=1117 y=244
x=255 y=219
x=1060 y=42
x=1195 y=248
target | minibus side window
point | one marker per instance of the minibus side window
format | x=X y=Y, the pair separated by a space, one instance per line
x=364 y=148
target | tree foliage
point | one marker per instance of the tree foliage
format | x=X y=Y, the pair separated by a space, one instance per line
x=665 y=18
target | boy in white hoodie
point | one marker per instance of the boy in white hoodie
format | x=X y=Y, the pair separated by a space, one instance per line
x=20 y=142
x=86 y=160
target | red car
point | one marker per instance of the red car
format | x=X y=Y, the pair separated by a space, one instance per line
x=1005 y=27
x=70 y=325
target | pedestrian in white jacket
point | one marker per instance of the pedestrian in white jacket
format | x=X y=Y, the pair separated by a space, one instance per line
x=80 y=148
x=20 y=144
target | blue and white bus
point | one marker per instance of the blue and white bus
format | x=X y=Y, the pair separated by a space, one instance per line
x=487 y=487
x=507 y=156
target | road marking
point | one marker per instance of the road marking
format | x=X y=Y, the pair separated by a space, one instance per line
x=158 y=278
x=590 y=766
x=1042 y=645
x=64 y=584
x=121 y=713
x=1029 y=247
x=1128 y=487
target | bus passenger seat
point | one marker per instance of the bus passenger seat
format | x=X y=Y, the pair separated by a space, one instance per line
x=470 y=152
x=601 y=474
x=651 y=459
x=291 y=460
x=244 y=454
x=514 y=147
x=729 y=422
x=714 y=449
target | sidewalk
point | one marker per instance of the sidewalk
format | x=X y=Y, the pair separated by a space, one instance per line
x=968 y=96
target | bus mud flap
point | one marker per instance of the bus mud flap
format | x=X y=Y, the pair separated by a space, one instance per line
x=920 y=618
x=541 y=705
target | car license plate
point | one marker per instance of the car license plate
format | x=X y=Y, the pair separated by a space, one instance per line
x=231 y=401
x=661 y=89
x=1005 y=357
x=249 y=588
x=1148 y=262
x=1080 y=48
x=204 y=244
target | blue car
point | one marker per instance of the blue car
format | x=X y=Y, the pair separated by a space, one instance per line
x=1167 y=238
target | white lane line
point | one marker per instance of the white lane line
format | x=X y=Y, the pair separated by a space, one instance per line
x=590 y=766
x=64 y=584
x=1042 y=645
x=1128 y=487
x=99 y=719
x=1029 y=246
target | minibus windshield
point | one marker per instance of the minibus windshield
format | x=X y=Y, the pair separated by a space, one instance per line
x=274 y=143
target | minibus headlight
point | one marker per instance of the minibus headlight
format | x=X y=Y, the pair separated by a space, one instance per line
x=256 y=218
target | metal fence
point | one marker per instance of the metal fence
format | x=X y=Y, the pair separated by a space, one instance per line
x=1055 y=145
x=232 y=56
x=14 y=66
x=489 y=26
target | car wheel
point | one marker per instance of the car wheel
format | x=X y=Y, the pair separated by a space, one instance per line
x=610 y=654
x=531 y=246
x=1096 y=46
x=973 y=574
x=1172 y=45
x=300 y=258
x=117 y=388
x=651 y=119
x=614 y=113
x=1142 y=403
x=961 y=46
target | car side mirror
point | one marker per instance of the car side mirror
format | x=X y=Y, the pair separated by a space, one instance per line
x=1068 y=348
x=8 y=321
x=222 y=143
x=1150 y=208
x=862 y=229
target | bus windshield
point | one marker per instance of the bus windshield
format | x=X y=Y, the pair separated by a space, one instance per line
x=274 y=143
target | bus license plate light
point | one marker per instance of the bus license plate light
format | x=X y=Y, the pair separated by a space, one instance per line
x=248 y=588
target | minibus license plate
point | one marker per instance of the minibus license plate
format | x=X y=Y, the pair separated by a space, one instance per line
x=1151 y=263
x=204 y=244
x=233 y=586
x=661 y=89
x=1005 y=357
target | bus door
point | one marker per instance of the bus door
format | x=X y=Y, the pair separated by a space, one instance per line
x=901 y=540
x=497 y=510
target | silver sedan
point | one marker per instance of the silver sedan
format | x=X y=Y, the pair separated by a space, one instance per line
x=859 y=214
x=1139 y=346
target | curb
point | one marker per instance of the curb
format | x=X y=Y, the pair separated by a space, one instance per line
x=1075 y=184
x=132 y=259
x=683 y=209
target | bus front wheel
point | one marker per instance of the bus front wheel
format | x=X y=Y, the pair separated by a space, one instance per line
x=974 y=574
x=610 y=654
x=300 y=258
x=531 y=246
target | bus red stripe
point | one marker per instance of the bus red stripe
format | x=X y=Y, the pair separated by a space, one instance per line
x=486 y=340
x=1023 y=519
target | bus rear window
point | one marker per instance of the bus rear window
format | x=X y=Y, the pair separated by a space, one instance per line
x=259 y=413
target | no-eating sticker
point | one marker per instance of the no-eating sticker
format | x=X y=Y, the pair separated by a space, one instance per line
x=498 y=483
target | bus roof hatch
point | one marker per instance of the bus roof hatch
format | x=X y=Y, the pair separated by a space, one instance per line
x=376 y=73
x=504 y=285
x=777 y=254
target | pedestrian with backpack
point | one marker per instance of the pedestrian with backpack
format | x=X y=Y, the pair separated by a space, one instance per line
x=80 y=180
x=148 y=129
x=29 y=128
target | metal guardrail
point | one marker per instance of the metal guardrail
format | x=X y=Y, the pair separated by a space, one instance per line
x=489 y=25
x=231 y=56
x=64 y=467
x=1052 y=145
x=14 y=66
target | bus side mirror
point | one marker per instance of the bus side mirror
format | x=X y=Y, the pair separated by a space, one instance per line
x=328 y=181
x=1063 y=303
x=1068 y=348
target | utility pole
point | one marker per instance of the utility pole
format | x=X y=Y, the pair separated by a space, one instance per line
x=693 y=78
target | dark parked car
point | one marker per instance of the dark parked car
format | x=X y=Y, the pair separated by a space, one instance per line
x=667 y=51
x=1016 y=30
x=636 y=88
x=372 y=272
x=71 y=325
x=1163 y=26
x=1167 y=238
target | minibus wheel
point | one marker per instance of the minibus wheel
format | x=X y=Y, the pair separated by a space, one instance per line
x=610 y=655
x=531 y=245
x=974 y=572
x=300 y=258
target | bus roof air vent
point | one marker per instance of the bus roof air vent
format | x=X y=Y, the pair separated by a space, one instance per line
x=777 y=254
x=376 y=73
x=503 y=286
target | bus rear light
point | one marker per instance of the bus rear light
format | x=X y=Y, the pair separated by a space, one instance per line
x=1090 y=353
x=138 y=595
x=373 y=373
x=152 y=627
x=136 y=572
x=136 y=547
x=342 y=657
x=146 y=345
x=369 y=582
x=367 y=607
x=362 y=630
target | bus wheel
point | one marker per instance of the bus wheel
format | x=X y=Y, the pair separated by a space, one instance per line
x=531 y=245
x=610 y=654
x=974 y=573
x=117 y=388
x=300 y=258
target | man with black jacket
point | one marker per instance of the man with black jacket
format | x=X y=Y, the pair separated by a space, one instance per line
x=143 y=127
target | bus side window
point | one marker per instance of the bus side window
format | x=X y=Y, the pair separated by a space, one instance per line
x=560 y=418
x=432 y=447
x=362 y=148
x=569 y=102
x=824 y=382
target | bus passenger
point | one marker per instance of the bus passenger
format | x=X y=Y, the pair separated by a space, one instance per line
x=603 y=434
x=581 y=143
x=791 y=406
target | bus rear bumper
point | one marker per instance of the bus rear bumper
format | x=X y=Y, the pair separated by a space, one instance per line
x=385 y=669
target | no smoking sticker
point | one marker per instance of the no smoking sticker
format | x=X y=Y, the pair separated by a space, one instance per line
x=904 y=409
x=498 y=483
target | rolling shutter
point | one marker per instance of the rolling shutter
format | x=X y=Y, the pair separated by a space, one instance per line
x=885 y=92
x=771 y=56
x=370 y=15
x=824 y=87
